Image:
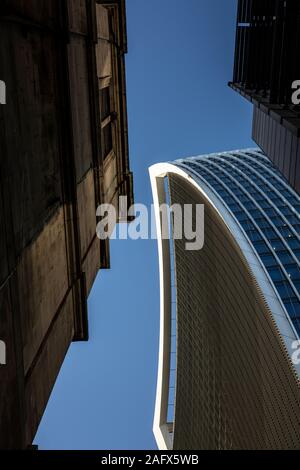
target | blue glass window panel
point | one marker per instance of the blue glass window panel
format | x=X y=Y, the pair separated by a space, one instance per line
x=219 y=187
x=296 y=227
x=235 y=207
x=276 y=273
x=285 y=257
x=262 y=223
x=268 y=260
x=278 y=245
x=248 y=225
x=297 y=207
x=173 y=344
x=293 y=271
x=254 y=235
x=173 y=361
x=222 y=192
x=297 y=285
x=242 y=216
x=271 y=212
x=258 y=197
x=265 y=204
x=246 y=185
x=270 y=233
x=268 y=191
x=226 y=180
x=249 y=205
x=256 y=213
x=278 y=202
x=297 y=253
x=287 y=211
x=285 y=231
x=229 y=200
x=293 y=243
x=285 y=290
x=278 y=221
x=293 y=219
x=244 y=199
x=261 y=247
x=171 y=413
x=293 y=307
x=237 y=212
x=289 y=197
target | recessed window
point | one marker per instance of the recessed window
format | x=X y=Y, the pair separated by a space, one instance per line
x=105 y=102
x=106 y=140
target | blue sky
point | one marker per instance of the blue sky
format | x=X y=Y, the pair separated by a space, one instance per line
x=180 y=60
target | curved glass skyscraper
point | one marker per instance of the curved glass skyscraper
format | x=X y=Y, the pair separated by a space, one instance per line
x=229 y=374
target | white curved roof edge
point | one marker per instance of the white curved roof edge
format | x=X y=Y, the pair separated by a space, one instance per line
x=288 y=333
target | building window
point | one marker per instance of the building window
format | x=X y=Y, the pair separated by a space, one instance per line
x=285 y=257
x=268 y=260
x=277 y=245
x=276 y=274
x=285 y=290
x=293 y=243
x=293 y=307
x=106 y=140
x=253 y=235
x=261 y=247
x=105 y=103
x=293 y=272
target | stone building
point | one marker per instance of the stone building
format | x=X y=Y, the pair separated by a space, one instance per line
x=64 y=151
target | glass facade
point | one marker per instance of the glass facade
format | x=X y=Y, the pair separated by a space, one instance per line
x=266 y=208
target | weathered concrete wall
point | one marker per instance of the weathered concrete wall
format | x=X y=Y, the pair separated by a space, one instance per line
x=43 y=282
x=11 y=378
x=45 y=12
x=30 y=140
x=81 y=114
x=42 y=376
x=86 y=211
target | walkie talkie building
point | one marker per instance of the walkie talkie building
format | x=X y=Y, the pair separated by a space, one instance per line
x=229 y=372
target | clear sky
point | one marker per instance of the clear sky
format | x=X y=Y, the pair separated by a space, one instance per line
x=180 y=60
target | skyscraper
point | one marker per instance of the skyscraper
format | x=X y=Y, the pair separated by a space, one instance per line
x=229 y=372
x=265 y=68
x=64 y=151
